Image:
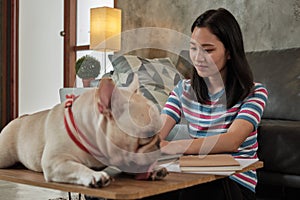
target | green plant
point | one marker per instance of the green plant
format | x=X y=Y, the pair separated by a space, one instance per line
x=87 y=67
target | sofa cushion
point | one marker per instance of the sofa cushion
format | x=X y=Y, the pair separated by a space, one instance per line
x=271 y=178
x=157 y=77
x=279 y=71
x=279 y=146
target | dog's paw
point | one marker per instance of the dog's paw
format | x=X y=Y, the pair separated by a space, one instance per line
x=156 y=173
x=100 y=179
x=159 y=173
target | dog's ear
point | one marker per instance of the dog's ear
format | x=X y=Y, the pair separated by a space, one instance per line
x=108 y=94
x=104 y=94
x=134 y=85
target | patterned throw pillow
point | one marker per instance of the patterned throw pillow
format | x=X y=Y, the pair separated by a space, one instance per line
x=157 y=77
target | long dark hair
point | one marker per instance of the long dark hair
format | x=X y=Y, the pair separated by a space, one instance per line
x=239 y=80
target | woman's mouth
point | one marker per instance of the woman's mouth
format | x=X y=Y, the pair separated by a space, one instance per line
x=201 y=66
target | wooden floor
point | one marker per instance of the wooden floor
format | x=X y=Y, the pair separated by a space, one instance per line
x=14 y=191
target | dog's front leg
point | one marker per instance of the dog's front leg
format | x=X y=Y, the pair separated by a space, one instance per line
x=70 y=171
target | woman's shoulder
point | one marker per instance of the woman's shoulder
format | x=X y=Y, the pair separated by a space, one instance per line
x=185 y=83
x=259 y=87
x=182 y=87
x=259 y=91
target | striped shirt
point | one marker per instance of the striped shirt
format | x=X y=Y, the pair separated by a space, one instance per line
x=214 y=118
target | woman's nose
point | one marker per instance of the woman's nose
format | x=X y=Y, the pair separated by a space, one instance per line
x=200 y=56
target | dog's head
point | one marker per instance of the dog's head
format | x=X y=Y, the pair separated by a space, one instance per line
x=130 y=124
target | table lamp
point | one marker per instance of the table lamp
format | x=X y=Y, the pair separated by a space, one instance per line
x=105 y=30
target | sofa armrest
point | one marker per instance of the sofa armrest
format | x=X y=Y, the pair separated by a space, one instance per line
x=279 y=146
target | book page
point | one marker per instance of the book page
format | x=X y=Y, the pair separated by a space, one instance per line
x=214 y=160
x=174 y=167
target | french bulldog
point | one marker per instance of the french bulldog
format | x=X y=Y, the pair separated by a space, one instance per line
x=105 y=126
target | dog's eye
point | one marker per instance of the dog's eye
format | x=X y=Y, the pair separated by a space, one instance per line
x=150 y=134
x=145 y=140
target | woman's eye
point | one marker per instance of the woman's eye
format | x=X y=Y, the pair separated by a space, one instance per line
x=208 y=50
x=193 y=48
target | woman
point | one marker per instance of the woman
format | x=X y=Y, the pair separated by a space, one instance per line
x=221 y=103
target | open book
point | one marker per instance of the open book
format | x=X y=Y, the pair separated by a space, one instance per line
x=217 y=162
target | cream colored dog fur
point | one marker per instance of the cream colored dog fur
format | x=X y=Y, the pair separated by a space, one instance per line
x=120 y=123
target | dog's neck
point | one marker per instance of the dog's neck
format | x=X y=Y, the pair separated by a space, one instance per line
x=84 y=141
x=70 y=124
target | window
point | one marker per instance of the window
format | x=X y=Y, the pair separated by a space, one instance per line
x=80 y=16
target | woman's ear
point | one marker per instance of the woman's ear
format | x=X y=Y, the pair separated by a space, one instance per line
x=228 y=57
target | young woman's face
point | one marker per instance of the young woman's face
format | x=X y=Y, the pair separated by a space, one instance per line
x=207 y=53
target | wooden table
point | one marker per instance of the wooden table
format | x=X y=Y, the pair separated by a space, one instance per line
x=124 y=187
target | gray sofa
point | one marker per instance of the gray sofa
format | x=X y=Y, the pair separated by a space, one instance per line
x=279 y=131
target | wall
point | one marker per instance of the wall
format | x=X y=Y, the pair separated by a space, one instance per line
x=40 y=54
x=266 y=24
x=41 y=50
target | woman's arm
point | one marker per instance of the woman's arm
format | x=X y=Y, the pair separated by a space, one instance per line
x=222 y=143
x=246 y=121
x=168 y=124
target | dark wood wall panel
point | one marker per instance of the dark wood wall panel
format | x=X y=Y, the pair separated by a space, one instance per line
x=70 y=9
x=9 y=29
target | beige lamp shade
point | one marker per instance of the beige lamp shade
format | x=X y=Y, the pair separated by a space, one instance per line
x=105 y=29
